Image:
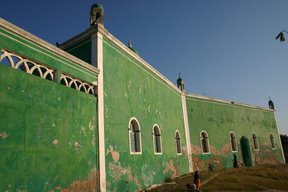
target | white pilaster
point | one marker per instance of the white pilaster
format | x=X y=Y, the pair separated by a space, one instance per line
x=187 y=131
x=283 y=156
x=97 y=60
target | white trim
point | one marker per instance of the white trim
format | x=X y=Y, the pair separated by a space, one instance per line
x=187 y=132
x=273 y=148
x=253 y=133
x=151 y=69
x=177 y=131
x=231 y=142
x=208 y=143
x=97 y=58
x=118 y=43
x=284 y=161
x=140 y=140
x=153 y=138
x=140 y=65
x=44 y=45
x=194 y=96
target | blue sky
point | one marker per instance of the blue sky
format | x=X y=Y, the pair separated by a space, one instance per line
x=224 y=49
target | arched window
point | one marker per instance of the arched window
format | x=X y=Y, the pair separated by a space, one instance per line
x=135 y=137
x=178 y=143
x=272 y=141
x=204 y=142
x=255 y=142
x=233 y=142
x=157 y=140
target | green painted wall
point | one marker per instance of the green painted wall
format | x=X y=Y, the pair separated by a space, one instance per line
x=19 y=45
x=81 y=49
x=132 y=91
x=218 y=119
x=48 y=132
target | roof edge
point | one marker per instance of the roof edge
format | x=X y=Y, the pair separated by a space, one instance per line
x=44 y=44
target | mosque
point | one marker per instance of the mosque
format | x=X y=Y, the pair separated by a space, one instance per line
x=91 y=115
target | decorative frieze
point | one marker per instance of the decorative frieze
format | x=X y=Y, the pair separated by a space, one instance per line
x=23 y=64
x=77 y=84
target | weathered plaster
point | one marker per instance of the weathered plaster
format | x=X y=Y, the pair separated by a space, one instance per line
x=90 y=184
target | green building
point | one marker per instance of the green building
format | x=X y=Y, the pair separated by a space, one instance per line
x=91 y=115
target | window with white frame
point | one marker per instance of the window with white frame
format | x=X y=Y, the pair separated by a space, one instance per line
x=135 y=137
x=157 y=140
x=178 y=143
x=233 y=142
x=204 y=142
x=272 y=141
x=255 y=141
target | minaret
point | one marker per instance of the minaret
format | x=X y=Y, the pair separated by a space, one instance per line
x=271 y=104
x=96 y=14
x=180 y=83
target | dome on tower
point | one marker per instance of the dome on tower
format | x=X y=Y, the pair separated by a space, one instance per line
x=96 y=14
x=97 y=6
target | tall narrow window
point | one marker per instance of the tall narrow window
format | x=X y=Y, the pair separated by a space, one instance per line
x=157 y=140
x=233 y=142
x=272 y=141
x=255 y=142
x=134 y=137
x=178 y=143
x=204 y=142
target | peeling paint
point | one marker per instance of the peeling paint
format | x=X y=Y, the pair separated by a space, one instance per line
x=226 y=149
x=196 y=149
x=83 y=131
x=77 y=145
x=91 y=184
x=169 y=167
x=214 y=150
x=55 y=142
x=4 y=135
x=184 y=150
x=115 y=155
x=117 y=171
x=91 y=126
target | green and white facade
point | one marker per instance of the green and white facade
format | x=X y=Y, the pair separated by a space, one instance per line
x=92 y=115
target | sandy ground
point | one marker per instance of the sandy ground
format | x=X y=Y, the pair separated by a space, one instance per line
x=266 y=178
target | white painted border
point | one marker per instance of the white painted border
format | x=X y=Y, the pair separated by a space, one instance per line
x=187 y=132
x=273 y=148
x=284 y=161
x=256 y=141
x=177 y=131
x=140 y=138
x=231 y=142
x=208 y=143
x=205 y=98
x=44 y=45
x=97 y=60
x=153 y=138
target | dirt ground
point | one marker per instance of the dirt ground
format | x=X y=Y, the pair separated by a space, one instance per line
x=261 y=178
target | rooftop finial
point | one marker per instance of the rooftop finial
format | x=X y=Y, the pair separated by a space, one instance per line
x=96 y=14
x=130 y=46
x=271 y=104
x=180 y=82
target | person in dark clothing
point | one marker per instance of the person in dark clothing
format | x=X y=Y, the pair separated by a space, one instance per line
x=196 y=176
x=197 y=180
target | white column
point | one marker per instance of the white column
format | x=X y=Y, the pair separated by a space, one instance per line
x=279 y=138
x=187 y=131
x=97 y=60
